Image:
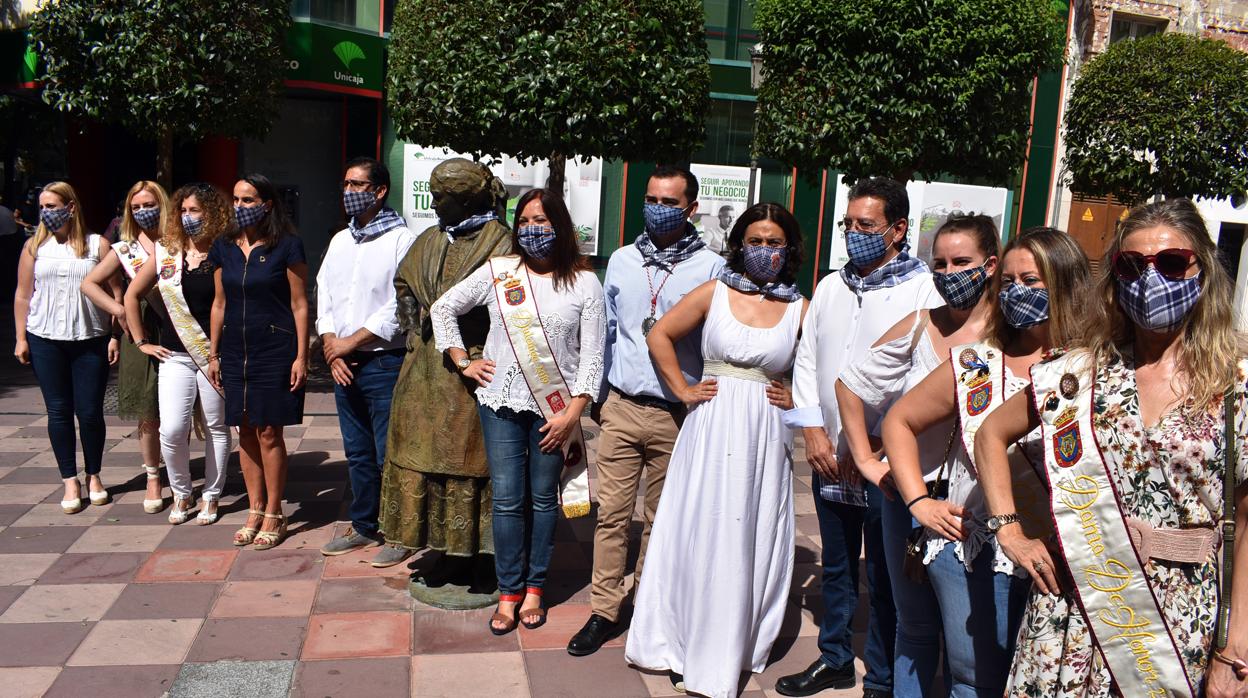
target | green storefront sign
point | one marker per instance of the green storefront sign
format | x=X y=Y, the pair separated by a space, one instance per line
x=18 y=61
x=339 y=60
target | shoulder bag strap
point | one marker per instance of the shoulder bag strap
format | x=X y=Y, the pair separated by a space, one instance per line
x=1228 y=522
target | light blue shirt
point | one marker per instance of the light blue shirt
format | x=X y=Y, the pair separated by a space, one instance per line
x=627 y=294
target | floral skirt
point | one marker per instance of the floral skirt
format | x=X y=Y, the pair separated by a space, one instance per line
x=442 y=512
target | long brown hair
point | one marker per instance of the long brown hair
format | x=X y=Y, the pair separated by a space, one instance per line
x=1210 y=345
x=218 y=215
x=1068 y=279
x=129 y=229
x=566 y=258
x=77 y=224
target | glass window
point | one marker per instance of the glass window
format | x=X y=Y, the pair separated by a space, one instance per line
x=1131 y=27
x=729 y=131
x=730 y=28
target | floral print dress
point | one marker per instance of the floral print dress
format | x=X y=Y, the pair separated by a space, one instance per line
x=1169 y=475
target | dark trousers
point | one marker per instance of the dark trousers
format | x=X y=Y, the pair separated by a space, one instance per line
x=72 y=376
x=364 y=418
x=844 y=528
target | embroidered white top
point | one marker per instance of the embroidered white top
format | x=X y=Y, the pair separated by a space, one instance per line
x=58 y=309
x=355 y=287
x=574 y=319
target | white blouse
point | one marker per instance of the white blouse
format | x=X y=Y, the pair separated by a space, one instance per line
x=59 y=309
x=574 y=319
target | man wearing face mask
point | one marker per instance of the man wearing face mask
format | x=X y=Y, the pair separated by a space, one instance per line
x=639 y=415
x=881 y=284
x=359 y=328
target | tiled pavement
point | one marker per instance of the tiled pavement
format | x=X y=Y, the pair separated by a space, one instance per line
x=115 y=602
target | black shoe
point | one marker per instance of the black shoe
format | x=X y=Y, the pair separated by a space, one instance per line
x=876 y=693
x=817 y=677
x=596 y=631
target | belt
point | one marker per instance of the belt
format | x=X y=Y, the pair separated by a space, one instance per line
x=730 y=370
x=648 y=401
x=1183 y=545
x=362 y=356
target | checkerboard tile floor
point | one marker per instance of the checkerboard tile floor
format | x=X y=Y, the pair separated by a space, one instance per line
x=116 y=602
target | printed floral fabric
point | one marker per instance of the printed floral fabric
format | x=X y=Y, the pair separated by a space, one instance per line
x=1169 y=475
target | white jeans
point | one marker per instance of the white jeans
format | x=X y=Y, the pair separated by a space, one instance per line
x=180 y=382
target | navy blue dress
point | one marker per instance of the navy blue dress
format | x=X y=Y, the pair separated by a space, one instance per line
x=258 y=342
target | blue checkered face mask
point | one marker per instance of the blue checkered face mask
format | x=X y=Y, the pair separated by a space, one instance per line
x=357 y=202
x=54 y=218
x=662 y=221
x=247 y=216
x=146 y=218
x=764 y=263
x=863 y=248
x=1156 y=303
x=961 y=289
x=537 y=241
x=1024 y=306
x=191 y=225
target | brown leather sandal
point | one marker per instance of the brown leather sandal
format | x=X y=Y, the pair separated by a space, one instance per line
x=508 y=622
x=533 y=618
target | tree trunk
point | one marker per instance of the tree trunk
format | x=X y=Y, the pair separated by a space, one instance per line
x=164 y=158
x=557 y=176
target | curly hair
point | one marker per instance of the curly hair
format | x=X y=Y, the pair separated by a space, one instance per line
x=218 y=215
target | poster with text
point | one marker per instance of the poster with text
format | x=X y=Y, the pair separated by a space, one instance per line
x=582 y=192
x=723 y=194
x=418 y=164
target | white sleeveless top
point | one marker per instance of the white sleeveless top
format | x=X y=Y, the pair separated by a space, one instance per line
x=725 y=338
x=58 y=308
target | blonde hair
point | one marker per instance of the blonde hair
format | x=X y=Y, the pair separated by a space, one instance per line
x=218 y=215
x=1068 y=278
x=129 y=230
x=77 y=225
x=1210 y=346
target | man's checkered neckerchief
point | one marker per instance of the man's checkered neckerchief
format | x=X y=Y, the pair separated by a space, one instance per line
x=469 y=225
x=675 y=253
x=387 y=219
x=743 y=283
x=899 y=269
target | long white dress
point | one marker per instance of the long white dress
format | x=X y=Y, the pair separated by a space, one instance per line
x=716 y=584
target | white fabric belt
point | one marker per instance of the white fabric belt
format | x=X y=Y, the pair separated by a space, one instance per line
x=1183 y=545
x=729 y=370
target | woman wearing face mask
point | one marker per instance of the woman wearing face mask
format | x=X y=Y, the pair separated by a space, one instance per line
x=65 y=337
x=142 y=226
x=720 y=556
x=1134 y=423
x=1040 y=287
x=181 y=272
x=259 y=343
x=547 y=326
x=965 y=255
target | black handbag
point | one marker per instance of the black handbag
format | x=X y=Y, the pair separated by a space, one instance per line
x=912 y=567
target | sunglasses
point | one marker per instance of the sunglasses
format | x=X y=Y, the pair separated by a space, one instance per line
x=1172 y=264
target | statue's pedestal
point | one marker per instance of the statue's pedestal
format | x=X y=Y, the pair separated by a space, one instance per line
x=457 y=584
x=451 y=597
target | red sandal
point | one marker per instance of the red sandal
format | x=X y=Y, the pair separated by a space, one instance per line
x=509 y=622
x=533 y=618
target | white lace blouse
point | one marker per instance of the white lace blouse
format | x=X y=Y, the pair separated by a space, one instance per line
x=574 y=319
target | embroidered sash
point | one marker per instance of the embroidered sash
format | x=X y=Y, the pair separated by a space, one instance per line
x=979 y=379
x=518 y=308
x=1121 y=608
x=169 y=284
x=132 y=256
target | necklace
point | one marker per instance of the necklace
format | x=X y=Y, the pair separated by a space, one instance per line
x=648 y=323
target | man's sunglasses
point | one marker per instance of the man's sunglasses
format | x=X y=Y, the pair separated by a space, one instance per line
x=1172 y=264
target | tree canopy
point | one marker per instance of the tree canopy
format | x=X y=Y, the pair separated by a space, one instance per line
x=901 y=87
x=165 y=68
x=1167 y=114
x=592 y=78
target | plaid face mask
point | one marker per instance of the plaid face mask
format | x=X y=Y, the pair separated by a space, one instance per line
x=356 y=202
x=537 y=241
x=864 y=248
x=961 y=289
x=662 y=220
x=1156 y=303
x=191 y=225
x=146 y=218
x=764 y=263
x=54 y=218
x=247 y=216
x=1024 y=306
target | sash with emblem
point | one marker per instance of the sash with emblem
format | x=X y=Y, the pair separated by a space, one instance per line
x=537 y=363
x=169 y=284
x=979 y=380
x=1118 y=603
x=131 y=255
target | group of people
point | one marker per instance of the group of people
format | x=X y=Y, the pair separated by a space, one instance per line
x=1024 y=450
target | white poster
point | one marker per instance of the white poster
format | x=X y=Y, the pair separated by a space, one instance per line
x=931 y=204
x=723 y=194
x=418 y=164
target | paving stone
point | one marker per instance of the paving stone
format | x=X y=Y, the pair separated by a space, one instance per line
x=130 y=681
x=93 y=568
x=248 y=639
x=270 y=679
x=603 y=674
x=187 y=566
x=39 y=644
x=39 y=539
x=343 y=678
x=277 y=564
x=457 y=632
x=120 y=539
x=27 y=682
x=12 y=512
x=31 y=476
x=121 y=642
x=348 y=635
x=363 y=594
x=45 y=603
x=479 y=673
x=163 y=600
x=283 y=598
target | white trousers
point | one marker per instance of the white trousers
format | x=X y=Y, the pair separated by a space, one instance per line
x=180 y=381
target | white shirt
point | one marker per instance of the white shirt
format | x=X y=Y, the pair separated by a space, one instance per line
x=573 y=318
x=58 y=308
x=355 y=287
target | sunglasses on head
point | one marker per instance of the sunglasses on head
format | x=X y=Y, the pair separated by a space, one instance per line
x=1172 y=264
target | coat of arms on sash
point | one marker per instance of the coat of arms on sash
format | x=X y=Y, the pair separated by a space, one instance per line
x=167 y=268
x=514 y=293
x=977 y=380
x=555 y=400
x=1067 y=443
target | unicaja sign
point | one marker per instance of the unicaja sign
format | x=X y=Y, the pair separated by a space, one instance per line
x=348 y=52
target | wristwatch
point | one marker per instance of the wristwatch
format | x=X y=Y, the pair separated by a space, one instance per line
x=995 y=523
x=142 y=342
x=463 y=364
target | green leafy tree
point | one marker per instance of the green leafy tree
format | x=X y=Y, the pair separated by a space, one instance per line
x=1167 y=114
x=552 y=79
x=165 y=68
x=903 y=86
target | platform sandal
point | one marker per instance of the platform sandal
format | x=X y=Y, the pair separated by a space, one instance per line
x=153 y=506
x=509 y=622
x=247 y=534
x=266 y=540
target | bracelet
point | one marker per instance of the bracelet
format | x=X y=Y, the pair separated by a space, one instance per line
x=141 y=342
x=214 y=357
x=917 y=499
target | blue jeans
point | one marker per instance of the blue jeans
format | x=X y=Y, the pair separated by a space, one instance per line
x=982 y=611
x=72 y=376
x=843 y=529
x=526 y=497
x=364 y=418
x=918 y=613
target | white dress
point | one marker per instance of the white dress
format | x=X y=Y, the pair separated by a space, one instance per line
x=716 y=584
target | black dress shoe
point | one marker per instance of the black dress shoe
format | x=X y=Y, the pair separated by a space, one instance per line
x=596 y=631
x=817 y=677
x=876 y=693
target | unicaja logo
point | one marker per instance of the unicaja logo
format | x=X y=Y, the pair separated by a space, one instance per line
x=348 y=52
